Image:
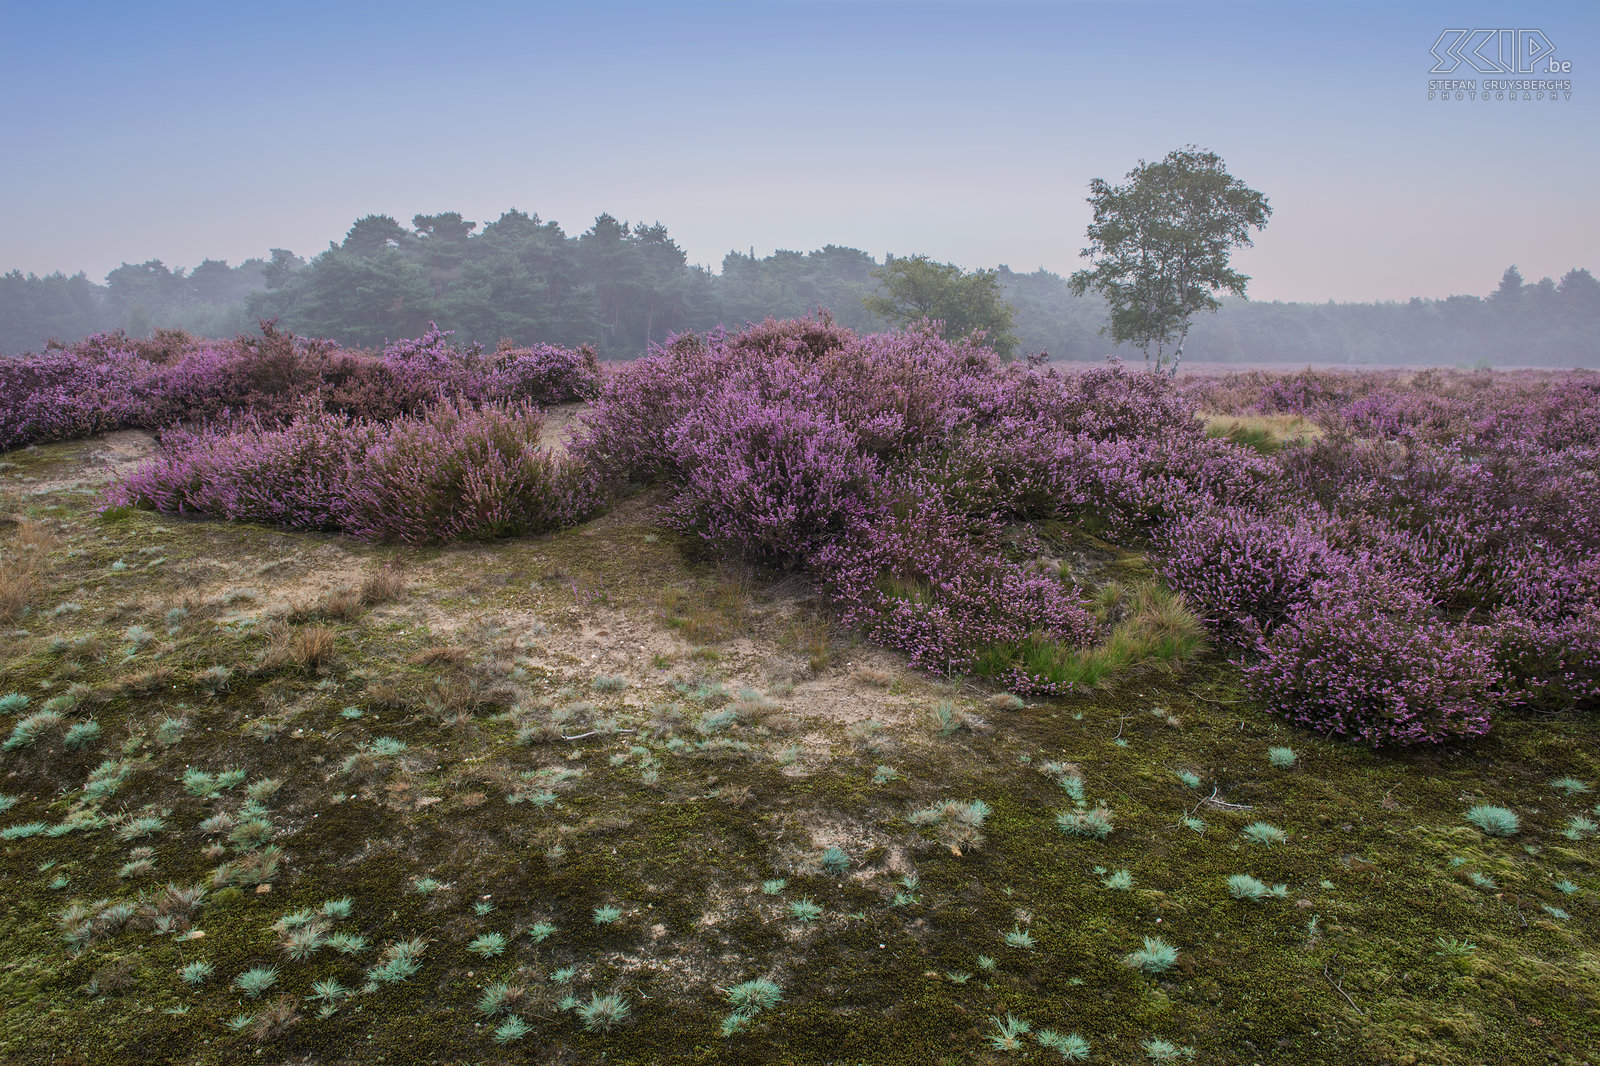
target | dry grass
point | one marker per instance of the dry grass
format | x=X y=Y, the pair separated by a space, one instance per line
x=705 y=616
x=341 y=604
x=384 y=694
x=809 y=637
x=144 y=682
x=1263 y=432
x=451 y=699
x=24 y=562
x=443 y=655
x=303 y=648
x=382 y=586
x=277 y=1018
x=313 y=646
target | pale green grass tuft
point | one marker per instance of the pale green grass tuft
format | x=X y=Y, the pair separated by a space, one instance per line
x=1156 y=956
x=1243 y=886
x=754 y=996
x=256 y=980
x=1008 y=1033
x=1093 y=824
x=1071 y=1047
x=488 y=945
x=604 y=1012
x=1494 y=821
x=195 y=973
x=1264 y=834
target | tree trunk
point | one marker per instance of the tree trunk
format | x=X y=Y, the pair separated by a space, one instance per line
x=1177 y=356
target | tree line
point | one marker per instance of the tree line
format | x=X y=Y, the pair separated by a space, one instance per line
x=622 y=286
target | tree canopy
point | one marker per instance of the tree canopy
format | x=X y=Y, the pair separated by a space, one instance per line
x=621 y=286
x=1159 y=247
x=914 y=288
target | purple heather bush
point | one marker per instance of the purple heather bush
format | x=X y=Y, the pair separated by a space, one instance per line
x=1368 y=667
x=918 y=576
x=1421 y=565
x=1397 y=579
x=773 y=481
x=891 y=465
x=109 y=382
x=452 y=472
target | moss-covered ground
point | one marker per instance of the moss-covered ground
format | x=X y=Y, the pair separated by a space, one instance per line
x=514 y=735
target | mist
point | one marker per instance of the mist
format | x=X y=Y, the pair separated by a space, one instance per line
x=621 y=287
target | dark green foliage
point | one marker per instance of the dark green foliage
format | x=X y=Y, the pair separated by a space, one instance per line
x=1160 y=246
x=913 y=288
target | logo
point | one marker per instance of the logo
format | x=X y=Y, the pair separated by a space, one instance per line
x=1497 y=53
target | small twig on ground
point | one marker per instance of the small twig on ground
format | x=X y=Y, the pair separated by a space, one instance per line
x=595 y=733
x=1212 y=799
x=1338 y=986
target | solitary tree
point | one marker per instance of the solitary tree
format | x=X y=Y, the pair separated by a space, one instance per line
x=915 y=288
x=1159 y=247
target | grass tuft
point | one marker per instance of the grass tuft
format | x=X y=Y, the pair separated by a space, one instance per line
x=488 y=945
x=1264 y=834
x=256 y=980
x=604 y=1012
x=1494 y=821
x=1156 y=956
x=752 y=997
x=1243 y=886
x=1008 y=1033
x=1095 y=824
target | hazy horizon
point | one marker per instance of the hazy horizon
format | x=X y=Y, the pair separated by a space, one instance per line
x=965 y=130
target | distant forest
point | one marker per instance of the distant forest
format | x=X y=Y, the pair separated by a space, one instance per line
x=621 y=287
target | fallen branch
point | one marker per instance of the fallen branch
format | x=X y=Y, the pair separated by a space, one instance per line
x=1212 y=799
x=1338 y=986
x=596 y=732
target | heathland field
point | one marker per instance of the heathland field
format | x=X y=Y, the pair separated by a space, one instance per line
x=792 y=696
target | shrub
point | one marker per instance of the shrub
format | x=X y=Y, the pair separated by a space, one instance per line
x=450 y=472
x=109 y=381
x=1373 y=672
x=915 y=577
x=769 y=481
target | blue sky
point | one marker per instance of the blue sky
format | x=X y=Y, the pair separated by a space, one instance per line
x=964 y=129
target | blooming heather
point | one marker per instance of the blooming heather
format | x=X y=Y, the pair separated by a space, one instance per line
x=452 y=472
